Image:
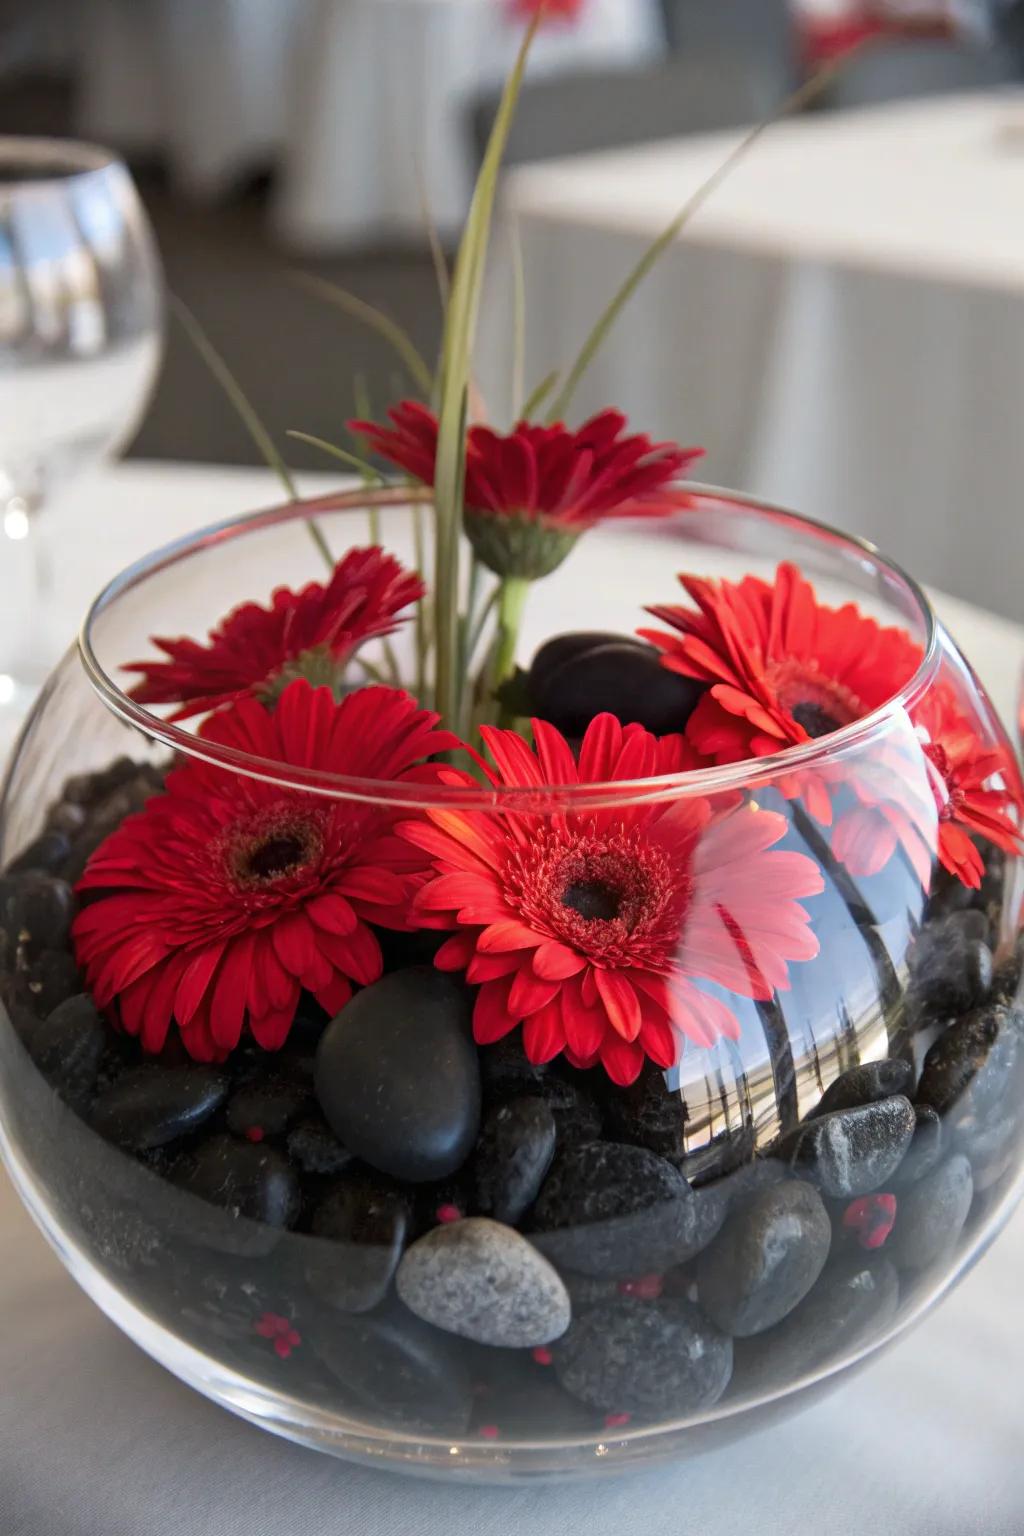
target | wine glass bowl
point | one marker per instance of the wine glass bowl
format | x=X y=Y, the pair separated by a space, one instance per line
x=80 y=342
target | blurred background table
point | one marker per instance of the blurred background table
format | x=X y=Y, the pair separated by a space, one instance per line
x=842 y=326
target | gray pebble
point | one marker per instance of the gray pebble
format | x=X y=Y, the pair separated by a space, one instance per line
x=484 y=1281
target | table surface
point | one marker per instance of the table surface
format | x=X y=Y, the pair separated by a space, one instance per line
x=96 y=1440
x=934 y=189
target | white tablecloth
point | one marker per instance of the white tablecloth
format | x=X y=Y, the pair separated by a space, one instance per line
x=381 y=119
x=349 y=97
x=842 y=327
x=96 y=1440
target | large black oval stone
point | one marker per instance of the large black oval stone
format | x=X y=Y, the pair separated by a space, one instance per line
x=623 y=678
x=152 y=1106
x=397 y=1075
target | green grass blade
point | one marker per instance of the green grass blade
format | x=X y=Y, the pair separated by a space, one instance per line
x=518 y=323
x=460 y=330
x=533 y=404
x=397 y=338
x=800 y=98
x=361 y=466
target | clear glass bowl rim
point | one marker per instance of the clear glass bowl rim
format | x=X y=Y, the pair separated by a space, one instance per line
x=748 y=774
x=58 y=161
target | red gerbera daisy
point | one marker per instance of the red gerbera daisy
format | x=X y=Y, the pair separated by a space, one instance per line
x=783 y=668
x=554 y=10
x=230 y=895
x=593 y=929
x=975 y=788
x=531 y=494
x=312 y=632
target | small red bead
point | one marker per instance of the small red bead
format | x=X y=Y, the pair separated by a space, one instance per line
x=447 y=1213
x=254 y=1133
x=489 y=1432
x=644 y=1287
x=542 y=1356
x=871 y=1219
x=617 y=1420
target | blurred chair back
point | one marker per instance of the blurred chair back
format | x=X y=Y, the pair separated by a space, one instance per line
x=760 y=29
x=574 y=114
x=904 y=70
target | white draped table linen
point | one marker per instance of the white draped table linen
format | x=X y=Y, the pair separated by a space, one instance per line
x=97 y=1440
x=380 y=112
x=841 y=326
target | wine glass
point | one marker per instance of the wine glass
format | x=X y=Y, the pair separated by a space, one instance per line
x=80 y=342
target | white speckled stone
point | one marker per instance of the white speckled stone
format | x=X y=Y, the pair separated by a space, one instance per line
x=484 y=1281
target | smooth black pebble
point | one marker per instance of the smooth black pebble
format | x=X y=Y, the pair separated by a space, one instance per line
x=765 y=1260
x=67 y=1047
x=622 y=678
x=397 y=1075
x=850 y=1304
x=610 y=1210
x=152 y=1106
x=648 y=1358
x=852 y=1151
x=867 y=1084
x=363 y=1228
x=36 y=910
x=649 y=1114
x=266 y=1108
x=513 y=1155
x=925 y=1147
x=950 y=966
x=969 y=1070
x=47 y=853
x=931 y=1215
x=247 y=1180
x=314 y=1148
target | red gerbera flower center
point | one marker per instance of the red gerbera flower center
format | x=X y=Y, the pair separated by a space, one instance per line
x=817 y=703
x=949 y=797
x=278 y=843
x=603 y=895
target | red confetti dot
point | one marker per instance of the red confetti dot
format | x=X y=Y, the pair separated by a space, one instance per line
x=447 y=1213
x=254 y=1133
x=644 y=1288
x=871 y=1219
x=489 y=1432
x=617 y=1420
x=542 y=1356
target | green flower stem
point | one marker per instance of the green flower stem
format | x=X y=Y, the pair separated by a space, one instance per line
x=511 y=603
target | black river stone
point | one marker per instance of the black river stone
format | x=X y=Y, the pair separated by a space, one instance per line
x=513 y=1155
x=649 y=1358
x=614 y=1211
x=67 y=1047
x=931 y=1215
x=925 y=1147
x=867 y=1084
x=314 y=1148
x=648 y=1114
x=49 y=980
x=267 y=1107
x=47 y=853
x=247 y=1180
x=363 y=1227
x=852 y=1151
x=969 y=1070
x=765 y=1260
x=622 y=677
x=394 y=1368
x=152 y=1106
x=851 y=1304
x=397 y=1075
x=36 y=910
x=950 y=966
